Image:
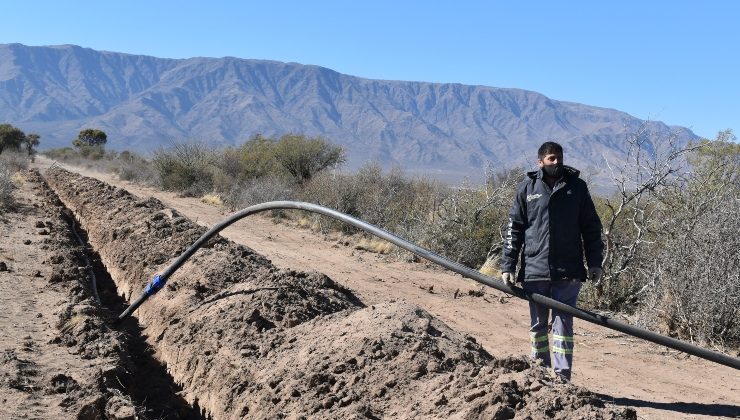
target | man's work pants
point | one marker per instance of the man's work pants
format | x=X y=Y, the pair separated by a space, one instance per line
x=562 y=324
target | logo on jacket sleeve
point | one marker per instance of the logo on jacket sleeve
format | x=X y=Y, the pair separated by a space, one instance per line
x=531 y=197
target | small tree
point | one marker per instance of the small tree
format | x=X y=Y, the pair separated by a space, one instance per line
x=304 y=157
x=31 y=141
x=90 y=137
x=10 y=137
x=91 y=143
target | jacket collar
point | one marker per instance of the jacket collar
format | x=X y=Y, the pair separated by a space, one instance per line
x=568 y=172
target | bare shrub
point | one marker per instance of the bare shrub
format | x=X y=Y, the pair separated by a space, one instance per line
x=6 y=187
x=336 y=191
x=393 y=200
x=693 y=288
x=258 y=190
x=470 y=221
x=185 y=167
x=453 y=222
x=500 y=190
x=631 y=217
x=672 y=252
x=457 y=231
x=11 y=162
x=388 y=200
x=14 y=161
x=130 y=166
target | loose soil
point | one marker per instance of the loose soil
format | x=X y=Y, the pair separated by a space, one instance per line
x=59 y=357
x=249 y=337
x=246 y=339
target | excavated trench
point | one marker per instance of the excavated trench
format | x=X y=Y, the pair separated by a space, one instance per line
x=245 y=339
x=145 y=375
x=127 y=374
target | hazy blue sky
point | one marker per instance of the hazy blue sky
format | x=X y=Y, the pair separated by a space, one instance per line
x=673 y=61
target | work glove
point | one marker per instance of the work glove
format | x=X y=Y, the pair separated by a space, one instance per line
x=508 y=278
x=594 y=273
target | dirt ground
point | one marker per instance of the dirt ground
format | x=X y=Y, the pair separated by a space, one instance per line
x=626 y=372
x=58 y=356
x=246 y=339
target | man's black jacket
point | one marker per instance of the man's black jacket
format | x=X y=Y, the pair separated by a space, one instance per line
x=551 y=228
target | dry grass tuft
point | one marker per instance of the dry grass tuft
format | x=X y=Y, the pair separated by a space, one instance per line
x=74 y=321
x=17 y=178
x=378 y=246
x=490 y=268
x=212 y=199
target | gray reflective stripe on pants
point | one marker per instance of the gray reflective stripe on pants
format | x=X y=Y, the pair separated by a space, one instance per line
x=562 y=344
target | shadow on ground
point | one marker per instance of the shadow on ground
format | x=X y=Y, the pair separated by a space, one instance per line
x=719 y=410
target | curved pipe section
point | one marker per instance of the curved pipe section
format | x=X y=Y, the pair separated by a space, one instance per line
x=159 y=281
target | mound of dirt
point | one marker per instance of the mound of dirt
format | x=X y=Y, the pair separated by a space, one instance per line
x=245 y=339
x=396 y=360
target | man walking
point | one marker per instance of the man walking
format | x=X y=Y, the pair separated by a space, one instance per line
x=552 y=224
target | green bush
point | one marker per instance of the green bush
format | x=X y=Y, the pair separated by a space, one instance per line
x=257 y=158
x=303 y=157
x=96 y=152
x=11 y=138
x=64 y=154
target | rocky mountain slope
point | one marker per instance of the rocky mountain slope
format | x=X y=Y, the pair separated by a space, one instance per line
x=143 y=102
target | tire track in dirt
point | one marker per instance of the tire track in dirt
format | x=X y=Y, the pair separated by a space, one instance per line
x=245 y=339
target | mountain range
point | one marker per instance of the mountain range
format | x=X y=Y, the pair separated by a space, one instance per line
x=444 y=129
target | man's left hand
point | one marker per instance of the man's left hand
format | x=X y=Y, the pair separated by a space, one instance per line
x=594 y=273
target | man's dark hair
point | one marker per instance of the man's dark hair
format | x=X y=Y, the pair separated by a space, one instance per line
x=549 y=147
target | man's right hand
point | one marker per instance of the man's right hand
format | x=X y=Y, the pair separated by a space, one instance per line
x=508 y=279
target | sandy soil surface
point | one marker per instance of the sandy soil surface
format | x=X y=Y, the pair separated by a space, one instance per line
x=629 y=372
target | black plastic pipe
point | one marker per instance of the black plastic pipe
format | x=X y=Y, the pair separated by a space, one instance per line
x=159 y=281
